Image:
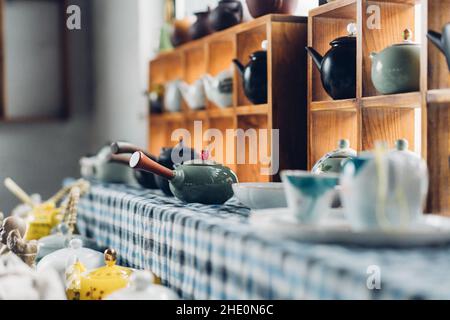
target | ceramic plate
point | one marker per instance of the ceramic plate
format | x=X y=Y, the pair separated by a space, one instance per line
x=334 y=229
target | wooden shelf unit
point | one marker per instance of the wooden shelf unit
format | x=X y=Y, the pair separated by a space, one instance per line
x=421 y=117
x=287 y=100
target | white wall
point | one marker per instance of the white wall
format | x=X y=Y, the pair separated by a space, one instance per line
x=39 y=156
x=126 y=35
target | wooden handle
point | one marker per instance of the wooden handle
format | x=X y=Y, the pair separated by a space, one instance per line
x=124 y=147
x=141 y=162
x=18 y=192
x=120 y=159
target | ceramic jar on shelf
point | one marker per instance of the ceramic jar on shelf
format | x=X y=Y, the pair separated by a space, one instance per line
x=227 y=14
x=259 y=8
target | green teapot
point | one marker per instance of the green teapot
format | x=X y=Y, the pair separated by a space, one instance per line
x=202 y=181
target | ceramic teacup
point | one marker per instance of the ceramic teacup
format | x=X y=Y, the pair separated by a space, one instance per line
x=309 y=195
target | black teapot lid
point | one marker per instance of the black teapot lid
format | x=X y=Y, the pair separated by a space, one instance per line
x=350 y=39
x=261 y=53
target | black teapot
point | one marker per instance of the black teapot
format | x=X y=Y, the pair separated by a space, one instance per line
x=338 y=66
x=227 y=14
x=442 y=41
x=254 y=76
x=201 y=28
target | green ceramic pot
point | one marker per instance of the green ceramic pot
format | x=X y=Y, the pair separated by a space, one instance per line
x=196 y=181
x=396 y=69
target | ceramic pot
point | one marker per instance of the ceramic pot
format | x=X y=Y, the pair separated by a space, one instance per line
x=338 y=66
x=227 y=14
x=254 y=76
x=384 y=190
x=442 y=41
x=156 y=99
x=196 y=181
x=260 y=8
x=219 y=89
x=172 y=96
x=193 y=94
x=201 y=27
x=332 y=162
x=396 y=69
x=180 y=32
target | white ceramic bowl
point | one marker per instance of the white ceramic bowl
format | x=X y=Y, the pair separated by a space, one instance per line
x=260 y=195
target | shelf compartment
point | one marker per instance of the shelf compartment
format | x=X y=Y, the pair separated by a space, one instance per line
x=381 y=124
x=411 y=100
x=252 y=109
x=221 y=113
x=396 y=16
x=335 y=105
x=222 y=150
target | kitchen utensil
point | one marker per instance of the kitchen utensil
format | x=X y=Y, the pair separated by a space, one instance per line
x=227 y=14
x=260 y=195
x=118 y=151
x=99 y=283
x=384 y=190
x=172 y=96
x=338 y=66
x=18 y=192
x=254 y=75
x=396 y=69
x=260 y=8
x=442 y=41
x=199 y=181
x=193 y=94
x=59 y=259
x=142 y=287
x=332 y=161
x=280 y=223
x=202 y=26
x=107 y=171
x=219 y=89
x=309 y=195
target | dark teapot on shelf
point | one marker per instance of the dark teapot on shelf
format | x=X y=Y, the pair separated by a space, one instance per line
x=254 y=75
x=442 y=41
x=201 y=28
x=338 y=66
x=227 y=14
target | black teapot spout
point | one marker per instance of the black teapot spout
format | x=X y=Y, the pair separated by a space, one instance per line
x=436 y=39
x=239 y=66
x=317 y=57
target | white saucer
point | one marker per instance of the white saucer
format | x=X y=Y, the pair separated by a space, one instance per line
x=334 y=229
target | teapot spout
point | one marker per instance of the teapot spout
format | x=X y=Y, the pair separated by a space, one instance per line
x=436 y=39
x=240 y=67
x=317 y=57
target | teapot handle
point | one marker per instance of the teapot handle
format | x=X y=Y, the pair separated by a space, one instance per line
x=140 y=161
x=124 y=147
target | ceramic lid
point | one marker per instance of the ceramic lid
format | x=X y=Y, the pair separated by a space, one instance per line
x=110 y=271
x=342 y=152
x=407 y=39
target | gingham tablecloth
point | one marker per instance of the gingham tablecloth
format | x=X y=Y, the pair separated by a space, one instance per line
x=211 y=252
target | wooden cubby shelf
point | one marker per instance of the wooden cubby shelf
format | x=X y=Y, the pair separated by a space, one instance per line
x=286 y=108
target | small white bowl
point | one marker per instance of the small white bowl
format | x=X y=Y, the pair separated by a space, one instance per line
x=261 y=195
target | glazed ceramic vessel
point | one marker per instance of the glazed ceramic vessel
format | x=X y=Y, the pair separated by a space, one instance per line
x=227 y=14
x=332 y=162
x=442 y=41
x=201 y=27
x=200 y=181
x=338 y=66
x=172 y=96
x=384 y=190
x=142 y=287
x=396 y=69
x=194 y=94
x=180 y=32
x=258 y=196
x=219 y=89
x=309 y=195
x=260 y=8
x=254 y=76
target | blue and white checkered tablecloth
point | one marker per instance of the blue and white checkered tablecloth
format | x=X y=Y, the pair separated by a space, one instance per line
x=211 y=252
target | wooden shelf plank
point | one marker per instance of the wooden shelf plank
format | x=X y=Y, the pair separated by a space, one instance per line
x=438 y=96
x=253 y=109
x=196 y=114
x=334 y=105
x=167 y=116
x=344 y=9
x=411 y=100
x=220 y=113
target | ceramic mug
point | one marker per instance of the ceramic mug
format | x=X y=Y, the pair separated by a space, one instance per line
x=309 y=195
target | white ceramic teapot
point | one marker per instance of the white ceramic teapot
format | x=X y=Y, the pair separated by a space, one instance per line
x=384 y=190
x=194 y=94
x=219 y=89
x=172 y=96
